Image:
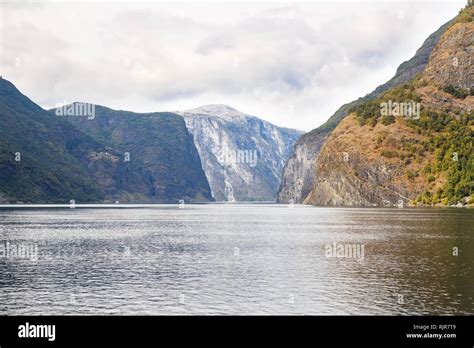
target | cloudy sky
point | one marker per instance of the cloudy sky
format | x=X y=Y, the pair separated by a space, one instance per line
x=291 y=63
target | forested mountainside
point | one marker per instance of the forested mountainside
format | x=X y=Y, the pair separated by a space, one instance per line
x=114 y=155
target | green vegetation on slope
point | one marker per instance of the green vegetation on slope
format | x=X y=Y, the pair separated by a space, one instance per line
x=450 y=140
x=448 y=137
x=369 y=112
x=44 y=158
x=405 y=73
x=40 y=155
x=159 y=144
x=458 y=92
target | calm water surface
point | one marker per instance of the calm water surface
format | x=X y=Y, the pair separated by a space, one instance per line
x=237 y=259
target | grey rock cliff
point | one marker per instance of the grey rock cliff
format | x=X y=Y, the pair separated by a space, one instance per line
x=242 y=155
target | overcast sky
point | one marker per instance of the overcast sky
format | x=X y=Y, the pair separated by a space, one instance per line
x=290 y=63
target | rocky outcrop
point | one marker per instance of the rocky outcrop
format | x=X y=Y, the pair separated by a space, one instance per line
x=451 y=61
x=351 y=172
x=298 y=175
x=242 y=155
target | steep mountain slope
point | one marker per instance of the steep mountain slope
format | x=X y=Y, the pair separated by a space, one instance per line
x=45 y=158
x=298 y=173
x=241 y=155
x=157 y=160
x=41 y=156
x=426 y=157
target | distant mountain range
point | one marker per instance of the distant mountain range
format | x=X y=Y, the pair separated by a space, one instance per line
x=90 y=153
x=361 y=156
x=112 y=156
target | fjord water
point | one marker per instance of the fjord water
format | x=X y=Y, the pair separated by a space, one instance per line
x=237 y=259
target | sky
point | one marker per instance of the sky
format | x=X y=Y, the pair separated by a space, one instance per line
x=291 y=63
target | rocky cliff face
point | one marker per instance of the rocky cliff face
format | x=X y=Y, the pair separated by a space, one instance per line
x=298 y=173
x=351 y=172
x=242 y=156
x=375 y=160
x=451 y=60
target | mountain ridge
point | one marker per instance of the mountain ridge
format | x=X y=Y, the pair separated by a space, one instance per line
x=375 y=158
x=58 y=161
x=298 y=173
x=160 y=144
x=228 y=141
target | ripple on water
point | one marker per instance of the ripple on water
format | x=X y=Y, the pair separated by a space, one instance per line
x=237 y=259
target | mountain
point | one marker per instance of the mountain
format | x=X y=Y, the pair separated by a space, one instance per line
x=242 y=155
x=413 y=143
x=46 y=158
x=155 y=157
x=298 y=173
x=41 y=156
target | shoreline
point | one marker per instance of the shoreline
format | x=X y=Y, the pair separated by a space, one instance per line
x=182 y=206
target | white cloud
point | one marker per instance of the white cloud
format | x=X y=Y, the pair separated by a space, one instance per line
x=292 y=64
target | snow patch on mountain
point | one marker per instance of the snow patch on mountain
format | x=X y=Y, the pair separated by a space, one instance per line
x=243 y=156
